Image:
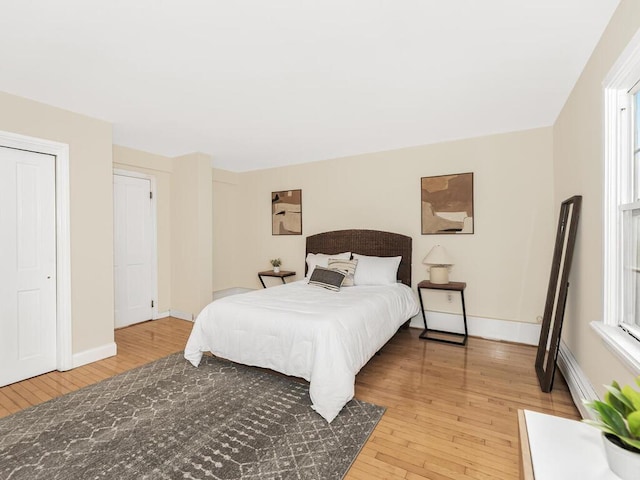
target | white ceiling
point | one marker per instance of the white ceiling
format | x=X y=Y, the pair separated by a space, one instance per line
x=262 y=83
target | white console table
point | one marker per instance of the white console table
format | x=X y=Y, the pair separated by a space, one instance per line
x=555 y=448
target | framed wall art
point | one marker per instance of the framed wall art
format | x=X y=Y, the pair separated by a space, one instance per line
x=286 y=212
x=447 y=204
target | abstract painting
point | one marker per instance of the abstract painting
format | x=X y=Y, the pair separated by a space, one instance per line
x=447 y=204
x=286 y=212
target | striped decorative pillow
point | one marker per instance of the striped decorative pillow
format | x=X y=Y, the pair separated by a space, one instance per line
x=326 y=278
x=322 y=259
x=348 y=267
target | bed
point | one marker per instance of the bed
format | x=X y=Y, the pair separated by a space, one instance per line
x=305 y=331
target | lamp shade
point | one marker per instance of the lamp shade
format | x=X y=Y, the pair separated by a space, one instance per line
x=438 y=256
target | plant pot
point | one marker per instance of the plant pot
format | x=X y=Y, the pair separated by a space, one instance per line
x=276 y=269
x=622 y=462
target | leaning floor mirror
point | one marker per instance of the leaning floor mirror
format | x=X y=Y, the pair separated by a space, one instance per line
x=557 y=292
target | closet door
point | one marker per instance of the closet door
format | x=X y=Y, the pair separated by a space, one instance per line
x=28 y=264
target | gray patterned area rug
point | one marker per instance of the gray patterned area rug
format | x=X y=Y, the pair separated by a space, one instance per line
x=169 y=420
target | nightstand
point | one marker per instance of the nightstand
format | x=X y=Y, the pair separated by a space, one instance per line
x=452 y=287
x=270 y=273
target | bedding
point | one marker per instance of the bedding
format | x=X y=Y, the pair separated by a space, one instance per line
x=300 y=330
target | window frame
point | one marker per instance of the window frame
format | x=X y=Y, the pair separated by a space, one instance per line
x=619 y=133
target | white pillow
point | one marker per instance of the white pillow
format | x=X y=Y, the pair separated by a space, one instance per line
x=376 y=270
x=322 y=260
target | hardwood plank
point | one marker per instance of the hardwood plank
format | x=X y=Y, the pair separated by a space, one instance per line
x=365 y=471
x=452 y=412
x=366 y=458
x=7 y=404
x=15 y=397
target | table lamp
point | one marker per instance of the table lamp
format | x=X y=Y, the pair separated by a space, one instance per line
x=439 y=262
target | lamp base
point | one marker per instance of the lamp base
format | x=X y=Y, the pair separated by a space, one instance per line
x=439 y=275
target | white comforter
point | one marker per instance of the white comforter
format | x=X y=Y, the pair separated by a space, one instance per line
x=306 y=331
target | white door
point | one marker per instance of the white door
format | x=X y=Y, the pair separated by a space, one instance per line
x=27 y=264
x=132 y=250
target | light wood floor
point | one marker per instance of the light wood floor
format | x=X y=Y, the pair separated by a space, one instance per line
x=451 y=411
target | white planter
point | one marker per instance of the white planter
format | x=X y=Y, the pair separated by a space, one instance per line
x=276 y=269
x=624 y=463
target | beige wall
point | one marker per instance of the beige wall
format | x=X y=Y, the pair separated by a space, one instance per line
x=578 y=167
x=161 y=168
x=191 y=233
x=505 y=263
x=91 y=199
x=226 y=227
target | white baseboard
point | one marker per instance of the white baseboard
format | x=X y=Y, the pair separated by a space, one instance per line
x=164 y=314
x=579 y=385
x=182 y=315
x=230 y=291
x=94 y=354
x=518 y=332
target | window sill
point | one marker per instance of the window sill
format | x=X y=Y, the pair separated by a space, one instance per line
x=622 y=345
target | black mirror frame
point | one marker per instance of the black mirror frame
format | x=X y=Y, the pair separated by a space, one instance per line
x=557 y=292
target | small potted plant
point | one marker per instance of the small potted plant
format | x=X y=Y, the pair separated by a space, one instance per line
x=619 y=419
x=275 y=263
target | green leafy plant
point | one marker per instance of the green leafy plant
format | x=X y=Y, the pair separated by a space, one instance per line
x=276 y=262
x=619 y=415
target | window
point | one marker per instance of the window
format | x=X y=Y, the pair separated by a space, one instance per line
x=621 y=326
x=629 y=210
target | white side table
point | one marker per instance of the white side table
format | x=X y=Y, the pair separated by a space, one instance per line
x=555 y=448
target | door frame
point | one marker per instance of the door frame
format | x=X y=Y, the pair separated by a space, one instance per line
x=154 y=232
x=64 y=354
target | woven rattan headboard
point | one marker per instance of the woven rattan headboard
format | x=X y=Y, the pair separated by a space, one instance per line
x=366 y=242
